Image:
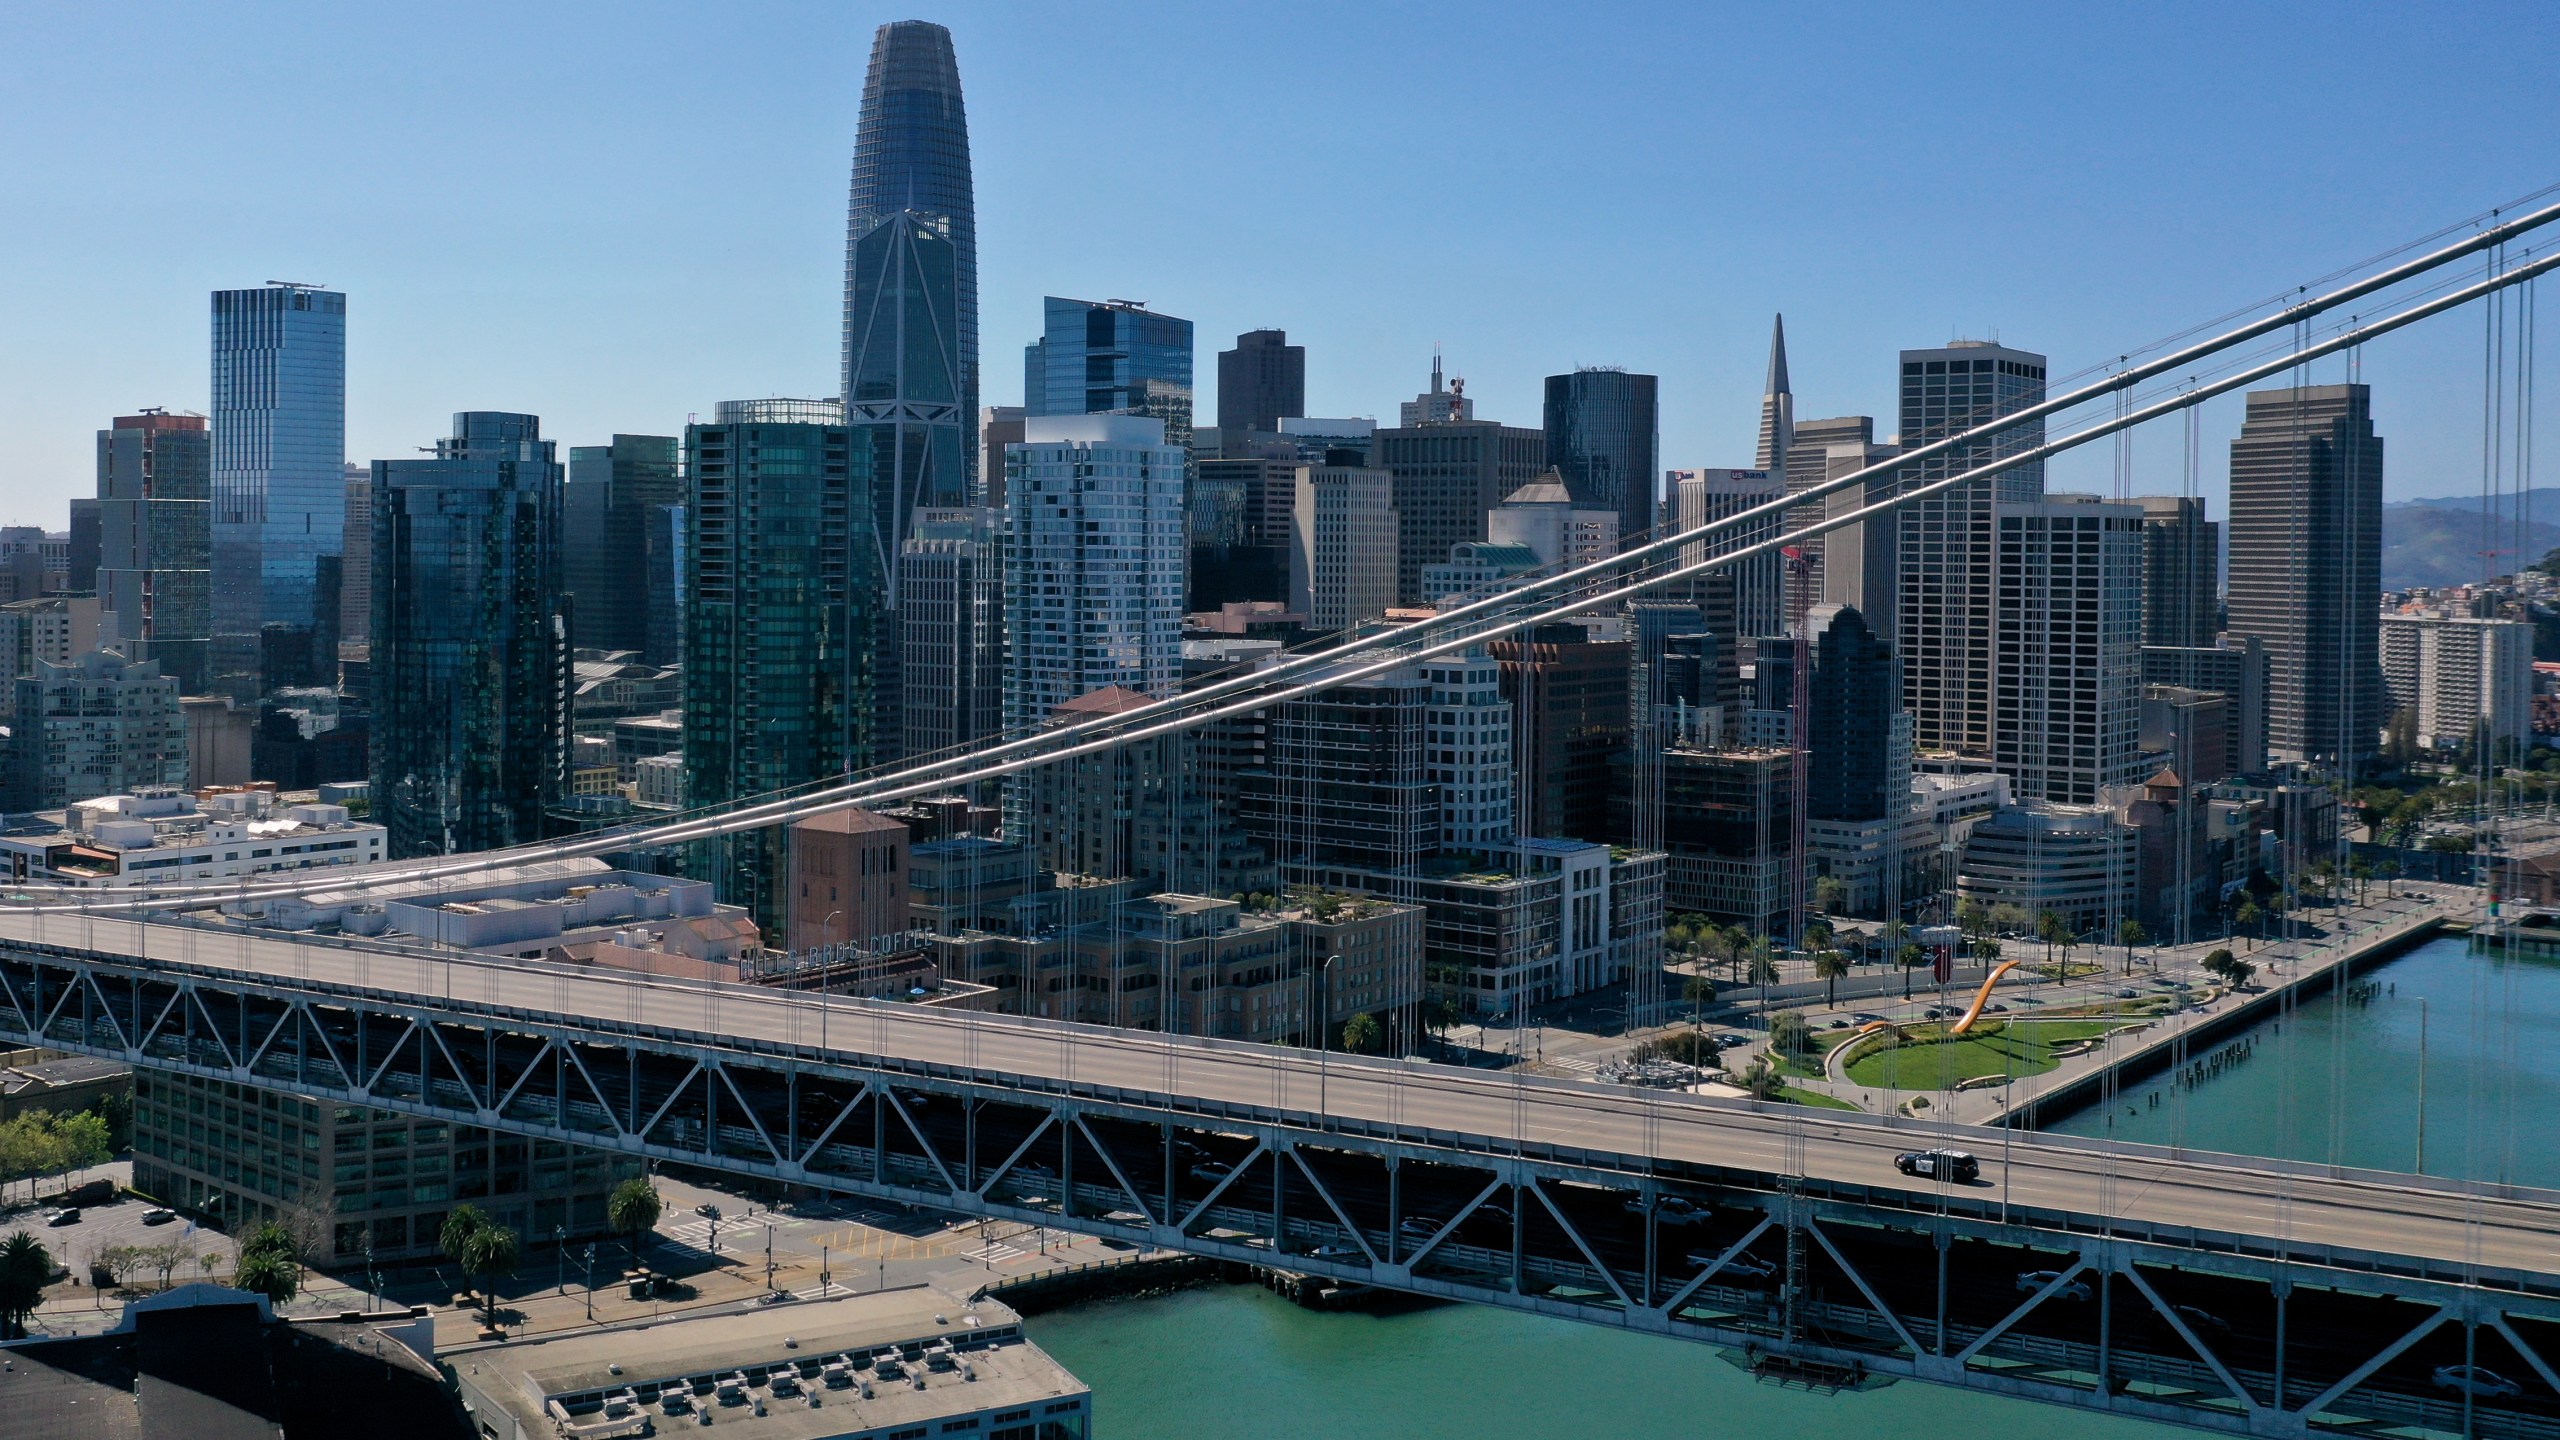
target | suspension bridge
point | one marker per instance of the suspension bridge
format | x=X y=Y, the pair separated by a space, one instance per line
x=2137 y=1281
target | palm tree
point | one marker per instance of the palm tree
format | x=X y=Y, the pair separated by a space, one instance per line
x=269 y=1265
x=1761 y=960
x=2051 y=929
x=485 y=1250
x=1828 y=967
x=25 y=1266
x=2130 y=934
x=2247 y=913
x=633 y=1208
x=1700 y=991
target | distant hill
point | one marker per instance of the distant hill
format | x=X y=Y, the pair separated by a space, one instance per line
x=2436 y=540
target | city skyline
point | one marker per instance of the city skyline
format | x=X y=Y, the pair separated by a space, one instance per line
x=1368 y=310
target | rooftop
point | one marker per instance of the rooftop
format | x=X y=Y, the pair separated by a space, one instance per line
x=946 y=1357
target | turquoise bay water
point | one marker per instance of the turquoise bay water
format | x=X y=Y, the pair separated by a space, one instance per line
x=1240 y=1362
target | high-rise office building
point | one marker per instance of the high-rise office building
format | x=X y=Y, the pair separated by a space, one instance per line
x=2237 y=671
x=155 y=518
x=1543 y=516
x=278 y=484
x=1858 y=564
x=1111 y=357
x=2306 y=565
x=1261 y=381
x=1093 y=563
x=85 y=547
x=2066 y=620
x=1342 y=545
x=2181 y=571
x=1777 y=405
x=662 y=550
x=951 y=625
x=1747 y=597
x=1569 y=691
x=355 y=574
x=1852 y=769
x=911 y=296
x=1944 y=545
x=1604 y=437
x=998 y=427
x=96 y=726
x=1449 y=474
x=777 y=674
x=611 y=492
x=1443 y=402
x=1242 y=508
x=470 y=649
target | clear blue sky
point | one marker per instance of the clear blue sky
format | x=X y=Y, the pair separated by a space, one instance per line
x=614 y=215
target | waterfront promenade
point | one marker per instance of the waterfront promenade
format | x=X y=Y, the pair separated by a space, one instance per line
x=2287 y=970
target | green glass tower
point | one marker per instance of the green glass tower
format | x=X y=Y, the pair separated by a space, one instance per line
x=781 y=605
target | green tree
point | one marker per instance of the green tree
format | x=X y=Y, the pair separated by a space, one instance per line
x=269 y=1264
x=633 y=1209
x=1972 y=916
x=1362 y=1035
x=2010 y=918
x=1817 y=933
x=1830 y=895
x=1788 y=1033
x=486 y=1252
x=2050 y=929
x=1760 y=959
x=25 y=1268
x=2230 y=969
x=86 y=1139
x=2129 y=934
x=2246 y=914
x=1698 y=992
x=1761 y=1079
x=1828 y=967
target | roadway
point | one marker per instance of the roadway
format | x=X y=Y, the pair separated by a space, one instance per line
x=2282 y=1208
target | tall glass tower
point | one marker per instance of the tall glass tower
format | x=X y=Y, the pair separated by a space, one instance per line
x=279 y=490
x=914 y=322
x=470 y=640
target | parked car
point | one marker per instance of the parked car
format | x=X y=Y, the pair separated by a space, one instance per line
x=2031 y=1281
x=158 y=1216
x=1956 y=1165
x=2477 y=1381
x=68 y=1215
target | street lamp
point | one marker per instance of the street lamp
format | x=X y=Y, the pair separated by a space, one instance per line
x=560 y=1257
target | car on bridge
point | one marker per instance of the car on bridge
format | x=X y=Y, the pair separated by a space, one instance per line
x=1670 y=1210
x=1958 y=1166
x=2477 y=1381
x=1742 y=1265
x=2031 y=1281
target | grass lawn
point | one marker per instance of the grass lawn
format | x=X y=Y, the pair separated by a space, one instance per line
x=1931 y=1061
x=1814 y=1098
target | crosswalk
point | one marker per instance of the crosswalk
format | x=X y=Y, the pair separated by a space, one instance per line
x=1576 y=1064
x=995 y=1252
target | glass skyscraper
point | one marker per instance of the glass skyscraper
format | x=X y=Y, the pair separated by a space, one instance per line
x=779 y=615
x=279 y=495
x=613 y=491
x=1111 y=357
x=470 y=640
x=1604 y=439
x=911 y=322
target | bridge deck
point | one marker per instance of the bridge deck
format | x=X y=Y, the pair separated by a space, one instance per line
x=2269 y=1207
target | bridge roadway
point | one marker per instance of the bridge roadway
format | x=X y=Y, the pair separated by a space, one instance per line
x=2503 y=1235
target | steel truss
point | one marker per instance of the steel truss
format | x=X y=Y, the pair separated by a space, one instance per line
x=2186 y=1327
